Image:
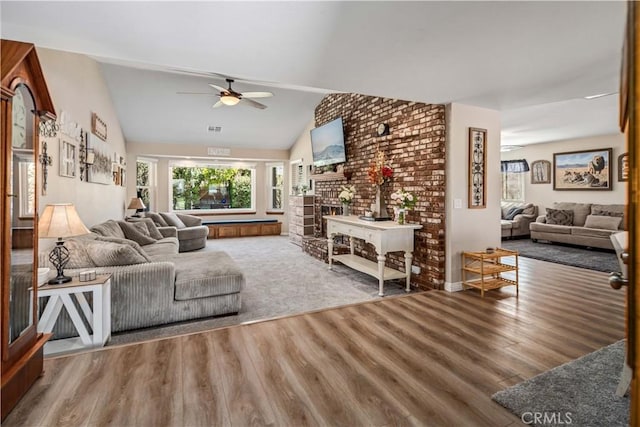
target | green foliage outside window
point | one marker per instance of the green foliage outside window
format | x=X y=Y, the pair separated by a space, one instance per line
x=211 y=188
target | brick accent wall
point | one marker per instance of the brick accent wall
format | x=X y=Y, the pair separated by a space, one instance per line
x=415 y=149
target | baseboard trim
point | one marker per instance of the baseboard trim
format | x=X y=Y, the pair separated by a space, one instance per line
x=453 y=287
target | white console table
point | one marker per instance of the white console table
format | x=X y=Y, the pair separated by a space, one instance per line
x=386 y=236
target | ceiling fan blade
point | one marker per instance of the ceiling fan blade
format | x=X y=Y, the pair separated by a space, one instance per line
x=216 y=87
x=217 y=104
x=197 y=93
x=253 y=103
x=256 y=94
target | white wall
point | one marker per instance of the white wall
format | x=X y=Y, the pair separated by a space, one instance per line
x=469 y=229
x=301 y=149
x=164 y=153
x=543 y=195
x=78 y=88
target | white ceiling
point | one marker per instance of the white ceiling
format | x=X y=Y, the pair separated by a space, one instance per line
x=533 y=61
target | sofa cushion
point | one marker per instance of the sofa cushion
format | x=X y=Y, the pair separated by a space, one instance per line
x=610 y=210
x=592 y=232
x=152 y=228
x=580 y=211
x=603 y=222
x=163 y=249
x=549 y=228
x=131 y=243
x=197 y=232
x=506 y=225
x=206 y=274
x=559 y=216
x=513 y=212
x=106 y=254
x=172 y=219
x=132 y=231
x=108 y=228
x=157 y=219
x=78 y=256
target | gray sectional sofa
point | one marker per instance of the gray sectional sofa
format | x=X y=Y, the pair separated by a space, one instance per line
x=583 y=224
x=153 y=284
x=192 y=234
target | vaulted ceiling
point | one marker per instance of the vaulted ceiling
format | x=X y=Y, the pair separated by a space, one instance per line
x=533 y=61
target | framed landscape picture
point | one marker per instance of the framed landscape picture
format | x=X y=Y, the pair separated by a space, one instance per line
x=582 y=170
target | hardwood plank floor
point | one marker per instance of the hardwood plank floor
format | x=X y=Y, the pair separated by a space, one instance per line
x=432 y=358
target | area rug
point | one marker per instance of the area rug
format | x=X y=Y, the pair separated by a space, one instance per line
x=580 y=393
x=592 y=259
x=281 y=280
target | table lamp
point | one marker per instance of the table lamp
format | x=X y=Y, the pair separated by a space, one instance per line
x=60 y=221
x=137 y=204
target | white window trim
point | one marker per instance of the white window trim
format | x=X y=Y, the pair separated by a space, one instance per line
x=153 y=181
x=522 y=187
x=271 y=187
x=23 y=183
x=237 y=165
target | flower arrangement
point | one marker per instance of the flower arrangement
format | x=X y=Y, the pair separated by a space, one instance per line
x=379 y=172
x=347 y=194
x=405 y=198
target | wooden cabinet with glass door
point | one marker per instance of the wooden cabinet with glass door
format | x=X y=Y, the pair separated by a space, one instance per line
x=490 y=270
x=25 y=99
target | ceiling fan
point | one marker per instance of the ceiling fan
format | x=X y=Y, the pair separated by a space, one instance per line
x=230 y=97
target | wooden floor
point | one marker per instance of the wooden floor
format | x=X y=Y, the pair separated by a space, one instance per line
x=433 y=358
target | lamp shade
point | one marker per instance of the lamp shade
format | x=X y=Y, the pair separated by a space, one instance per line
x=136 y=203
x=229 y=100
x=60 y=220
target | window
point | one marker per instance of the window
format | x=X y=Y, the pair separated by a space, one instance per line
x=513 y=186
x=513 y=175
x=275 y=181
x=212 y=187
x=146 y=182
x=27 y=185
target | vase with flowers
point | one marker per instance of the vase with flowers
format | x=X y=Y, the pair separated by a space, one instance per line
x=379 y=174
x=406 y=200
x=346 y=198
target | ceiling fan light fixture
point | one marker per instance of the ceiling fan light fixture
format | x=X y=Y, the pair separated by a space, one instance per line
x=229 y=100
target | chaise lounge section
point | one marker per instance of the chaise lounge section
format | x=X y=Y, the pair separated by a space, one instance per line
x=153 y=284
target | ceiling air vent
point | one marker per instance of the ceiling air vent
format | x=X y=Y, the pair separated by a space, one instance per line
x=215 y=129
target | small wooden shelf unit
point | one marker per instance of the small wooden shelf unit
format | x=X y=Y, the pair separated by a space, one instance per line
x=489 y=267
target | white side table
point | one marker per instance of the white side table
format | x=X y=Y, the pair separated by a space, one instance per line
x=98 y=317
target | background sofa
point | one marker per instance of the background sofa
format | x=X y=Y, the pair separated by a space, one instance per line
x=153 y=284
x=192 y=235
x=590 y=224
x=516 y=217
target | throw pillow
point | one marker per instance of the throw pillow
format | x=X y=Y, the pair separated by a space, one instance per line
x=141 y=227
x=153 y=230
x=603 y=222
x=599 y=212
x=106 y=254
x=78 y=256
x=131 y=243
x=157 y=219
x=172 y=219
x=131 y=232
x=513 y=212
x=559 y=217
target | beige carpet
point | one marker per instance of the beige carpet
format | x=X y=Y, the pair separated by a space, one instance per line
x=280 y=280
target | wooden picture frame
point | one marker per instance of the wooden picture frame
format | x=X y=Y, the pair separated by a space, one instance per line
x=541 y=172
x=98 y=127
x=67 y=158
x=623 y=167
x=477 y=168
x=582 y=170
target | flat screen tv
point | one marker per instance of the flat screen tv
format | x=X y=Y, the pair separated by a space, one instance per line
x=327 y=143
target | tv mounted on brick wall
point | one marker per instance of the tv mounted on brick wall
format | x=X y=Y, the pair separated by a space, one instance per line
x=327 y=143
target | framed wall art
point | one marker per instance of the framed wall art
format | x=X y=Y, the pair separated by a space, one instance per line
x=67 y=157
x=98 y=127
x=99 y=171
x=623 y=167
x=477 y=168
x=541 y=172
x=582 y=170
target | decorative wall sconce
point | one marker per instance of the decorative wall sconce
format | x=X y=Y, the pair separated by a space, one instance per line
x=48 y=127
x=82 y=157
x=45 y=161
